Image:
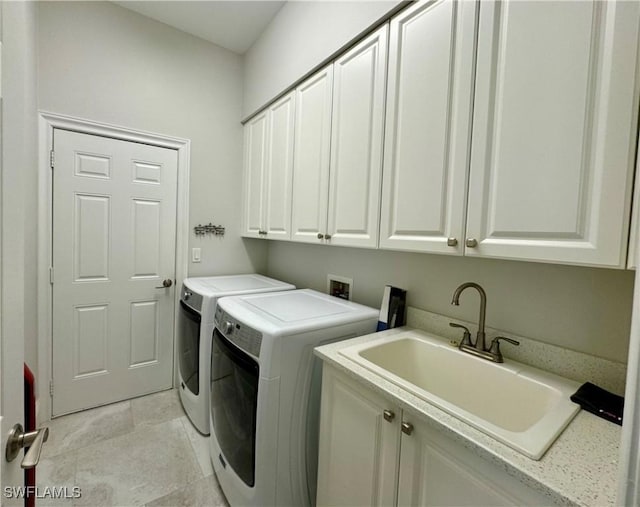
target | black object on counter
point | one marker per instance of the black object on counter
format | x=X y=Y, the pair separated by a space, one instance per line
x=602 y=403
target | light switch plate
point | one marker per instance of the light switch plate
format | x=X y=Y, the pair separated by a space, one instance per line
x=195 y=255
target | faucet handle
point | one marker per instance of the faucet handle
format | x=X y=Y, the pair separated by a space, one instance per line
x=495 y=346
x=466 y=337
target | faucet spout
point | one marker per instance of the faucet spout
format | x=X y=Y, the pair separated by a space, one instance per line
x=480 y=339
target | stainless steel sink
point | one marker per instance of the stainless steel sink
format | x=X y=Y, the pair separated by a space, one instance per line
x=521 y=406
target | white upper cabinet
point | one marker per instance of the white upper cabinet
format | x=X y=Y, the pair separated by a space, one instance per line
x=268 y=171
x=279 y=170
x=255 y=158
x=428 y=128
x=554 y=128
x=356 y=142
x=311 y=157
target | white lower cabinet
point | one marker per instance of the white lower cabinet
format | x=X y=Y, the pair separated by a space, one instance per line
x=359 y=444
x=373 y=453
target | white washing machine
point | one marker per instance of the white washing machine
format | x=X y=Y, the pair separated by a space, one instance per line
x=265 y=391
x=197 y=306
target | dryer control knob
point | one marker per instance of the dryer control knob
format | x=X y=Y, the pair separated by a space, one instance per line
x=228 y=327
x=187 y=294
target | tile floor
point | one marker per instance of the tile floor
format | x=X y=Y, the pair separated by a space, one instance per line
x=139 y=452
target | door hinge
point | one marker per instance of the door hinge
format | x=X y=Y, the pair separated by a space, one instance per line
x=52 y=158
x=51 y=388
x=51 y=275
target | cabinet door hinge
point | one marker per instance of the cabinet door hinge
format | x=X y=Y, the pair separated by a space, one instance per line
x=51 y=275
x=52 y=158
x=51 y=388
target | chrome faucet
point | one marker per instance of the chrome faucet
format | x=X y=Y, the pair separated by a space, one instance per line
x=479 y=348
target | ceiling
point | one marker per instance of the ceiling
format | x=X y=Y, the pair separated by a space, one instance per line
x=234 y=25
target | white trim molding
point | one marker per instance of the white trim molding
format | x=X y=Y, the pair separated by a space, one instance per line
x=629 y=468
x=47 y=122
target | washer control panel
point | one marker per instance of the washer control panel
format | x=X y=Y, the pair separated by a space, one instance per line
x=241 y=335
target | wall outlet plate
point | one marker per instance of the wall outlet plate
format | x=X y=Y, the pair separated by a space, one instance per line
x=340 y=287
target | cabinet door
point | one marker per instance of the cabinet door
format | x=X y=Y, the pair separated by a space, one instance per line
x=632 y=261
x=428 y=127
x=255 y=157
x=279 y=169
x=553 y=131
x=311 y=158
x=437 y=471
x=356 y=142
x=358 y=449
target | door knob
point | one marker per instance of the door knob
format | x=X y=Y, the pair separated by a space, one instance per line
x=320 y=235
x=166 y=284
x=18 y=439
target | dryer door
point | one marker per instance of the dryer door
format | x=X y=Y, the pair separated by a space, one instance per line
x=234 y=399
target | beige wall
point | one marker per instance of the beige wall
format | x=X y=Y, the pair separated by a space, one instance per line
x=105 y=63
x=583 y=309
x=299 y=38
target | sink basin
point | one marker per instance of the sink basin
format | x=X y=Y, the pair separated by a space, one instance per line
x=521 y=406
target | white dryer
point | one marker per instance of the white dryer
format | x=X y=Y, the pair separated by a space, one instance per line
x=195 y=329
x=265 y=391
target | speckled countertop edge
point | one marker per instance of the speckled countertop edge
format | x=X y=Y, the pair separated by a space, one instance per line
x=580 y=468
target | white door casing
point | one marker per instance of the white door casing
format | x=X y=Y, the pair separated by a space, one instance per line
x=357 y=127
x=428 y=127
x=311 y=157
x=114 y=237
x=552 y=156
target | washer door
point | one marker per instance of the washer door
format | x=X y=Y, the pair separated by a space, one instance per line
x=234 y=399
x=189 y=347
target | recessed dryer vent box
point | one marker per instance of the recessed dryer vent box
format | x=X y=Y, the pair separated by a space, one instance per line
x=340 y=287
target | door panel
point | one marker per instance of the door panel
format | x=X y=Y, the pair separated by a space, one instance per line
x=255 y=156
x=114 y=230
x=358 y=452
x=356 y=142
x=279 y=171
x=554 y=126
x=428 y=127
x=311 y=157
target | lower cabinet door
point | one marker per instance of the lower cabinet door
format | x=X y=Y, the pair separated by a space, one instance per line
x=437 y=471
x=359 y=444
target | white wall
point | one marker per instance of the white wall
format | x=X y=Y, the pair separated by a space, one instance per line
x=300 y=37
x=20 y=162
x=108 y=64
x=583 y=309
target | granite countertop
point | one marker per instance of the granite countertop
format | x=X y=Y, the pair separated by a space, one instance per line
x=580 y=467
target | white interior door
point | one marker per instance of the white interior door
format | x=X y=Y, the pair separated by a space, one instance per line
x=114 y=233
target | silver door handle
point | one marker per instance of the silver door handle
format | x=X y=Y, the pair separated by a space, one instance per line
x=166 y=284
x=18 y=439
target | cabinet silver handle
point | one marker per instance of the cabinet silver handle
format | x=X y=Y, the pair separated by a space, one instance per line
x=18 y=439
x=407 y=428
x=320 y=235
x=327 y=236
x=452 y=242
x=471 y=242
x=388 y=415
